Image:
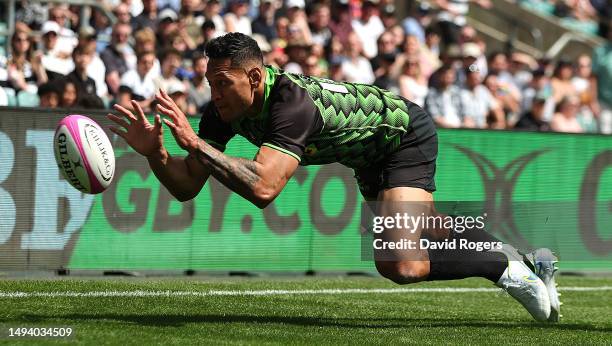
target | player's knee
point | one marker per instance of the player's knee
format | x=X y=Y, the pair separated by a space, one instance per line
x=404 y=272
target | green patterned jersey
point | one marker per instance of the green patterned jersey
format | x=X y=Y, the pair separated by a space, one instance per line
x=318 y=121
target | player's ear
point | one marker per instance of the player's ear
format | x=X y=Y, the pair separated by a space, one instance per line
x=255 y=77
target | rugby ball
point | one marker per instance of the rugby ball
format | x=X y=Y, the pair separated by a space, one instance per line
x=84 y=154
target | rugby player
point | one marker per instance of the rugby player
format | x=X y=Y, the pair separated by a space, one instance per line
x=389 y=141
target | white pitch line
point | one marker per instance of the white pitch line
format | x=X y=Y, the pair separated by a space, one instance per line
x=102 y=294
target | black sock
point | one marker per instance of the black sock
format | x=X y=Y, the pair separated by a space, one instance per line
x=452 y=264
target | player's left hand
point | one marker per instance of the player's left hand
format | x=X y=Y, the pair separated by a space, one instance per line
x=182 y=131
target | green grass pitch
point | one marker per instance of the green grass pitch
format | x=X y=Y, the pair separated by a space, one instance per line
x=314 y=317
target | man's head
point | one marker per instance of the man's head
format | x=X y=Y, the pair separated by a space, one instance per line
x=170 y=61
x=447 y=76
x=82 y=57
x=235 y=73
x=145 y=62
x=198 y=62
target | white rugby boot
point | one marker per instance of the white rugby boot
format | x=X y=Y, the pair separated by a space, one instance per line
x=544 y=264
x=523 y=285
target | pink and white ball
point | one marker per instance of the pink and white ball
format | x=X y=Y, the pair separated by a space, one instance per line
x=84 y=154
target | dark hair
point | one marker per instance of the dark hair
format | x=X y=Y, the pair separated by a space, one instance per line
x=197 y=56
x=168 y=52
x=239 y=48
x=48 y=88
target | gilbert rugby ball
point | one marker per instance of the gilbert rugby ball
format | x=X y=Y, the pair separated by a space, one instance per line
x=84 y=154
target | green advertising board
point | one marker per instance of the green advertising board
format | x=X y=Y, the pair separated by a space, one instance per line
x=549 y=190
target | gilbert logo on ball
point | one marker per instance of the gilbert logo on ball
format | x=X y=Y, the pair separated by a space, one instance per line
x=84 y=154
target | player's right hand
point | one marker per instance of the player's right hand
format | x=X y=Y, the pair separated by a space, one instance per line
x=146 y=138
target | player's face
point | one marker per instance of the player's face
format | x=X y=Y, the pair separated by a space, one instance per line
x=231 y=90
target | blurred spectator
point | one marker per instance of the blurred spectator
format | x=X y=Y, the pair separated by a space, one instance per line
x=504 y=97
x=264 y=23
x=145 y=41
x=602 y=67
x=356 y=68
x=413 y=49
x=562 y=81
x=297 y=28
x=96 y=69
x=236 y=19
x=49 y=95
x=341 y=25
x=199 y=89
x=444 y=102
x=387 y=16
x=539 y=86
x=84 y=84
x=212 y=12
x=319 y=24
x=369 y=27
x=117 y=55
x=520 y=68
x=140 y=81
x=103 y=28
x=190 y=22
x=25 y=70
x=147 y=18
x=451 y=17
x=311 y=67
x=67 y=39
x=170 y=62
x=177 y=92
x=385 y=80
x=533 y=119
x=297 y=52
x=386 y=46
x=470 y=54
x=498 y=64
x=317 y=51
x=122 y=13
x=56 y=62
x=480 y=109
x=68 y=93
x=412 y=83
x=432 y=41
x=585 y=83
x=564 y=119
x=32 y=13
x=335 y=69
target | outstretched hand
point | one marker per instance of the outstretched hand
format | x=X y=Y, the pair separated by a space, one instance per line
x=180 y=127
x=145 y=138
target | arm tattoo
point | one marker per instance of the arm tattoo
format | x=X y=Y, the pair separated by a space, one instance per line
x=238 y=174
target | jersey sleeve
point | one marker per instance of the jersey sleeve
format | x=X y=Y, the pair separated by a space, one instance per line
x=293 y=117
x=213 y=130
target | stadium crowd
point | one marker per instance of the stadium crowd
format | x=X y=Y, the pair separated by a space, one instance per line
x=431 y=57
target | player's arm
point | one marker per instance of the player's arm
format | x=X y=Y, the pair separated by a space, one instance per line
x=259 y=180
x=184 y=177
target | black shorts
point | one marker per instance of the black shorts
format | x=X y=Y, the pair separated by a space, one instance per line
x=413 y=164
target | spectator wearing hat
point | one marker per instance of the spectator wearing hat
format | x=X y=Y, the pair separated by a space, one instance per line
x=412 y=83
x=198 y=91
x=297 y=52
x=470 y=53
x=264 y=23
x=356 y=68
x=387 y=16
x=533 y=119
x=141 y=80
x=480 y=109
x=167 y=25
x=444 y=102
x=236 y=19
x=369 y=27
x=57 y=63
x=319 y=21
x=117 y=55
x=147 y=18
